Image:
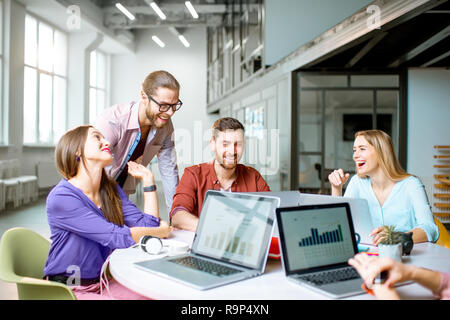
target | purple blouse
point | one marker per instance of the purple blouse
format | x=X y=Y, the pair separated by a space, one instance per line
x=81 y=236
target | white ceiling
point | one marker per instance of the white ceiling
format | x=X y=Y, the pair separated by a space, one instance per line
x=55 y=13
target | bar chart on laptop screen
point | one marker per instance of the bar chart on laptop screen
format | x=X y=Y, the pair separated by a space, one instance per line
x=229 y=243
x=234 y=230
x=318 y=239
x=324 y=241
x=315 y=238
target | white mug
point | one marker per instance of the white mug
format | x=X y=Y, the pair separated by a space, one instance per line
x=176 y=247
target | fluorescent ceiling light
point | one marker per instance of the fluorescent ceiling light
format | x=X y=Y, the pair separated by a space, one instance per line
x=125 y=11
x=158 y=10
x=191 y=9
x=158 y=41
x=184 y=41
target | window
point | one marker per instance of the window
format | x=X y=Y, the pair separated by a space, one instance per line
x=3 y=123
x=45 y=83
x=97 y=84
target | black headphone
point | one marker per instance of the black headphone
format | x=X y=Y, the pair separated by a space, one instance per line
x=151 y=245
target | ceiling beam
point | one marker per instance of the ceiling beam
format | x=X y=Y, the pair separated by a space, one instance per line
x=171 y=8
x=149 y=22
x=369 y=46
x=439 y=11
x=393 y=13
x=92 y=16
x=160 y=25
x=441 y=35
x=435 y=60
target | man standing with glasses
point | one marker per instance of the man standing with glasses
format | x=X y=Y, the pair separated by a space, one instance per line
x=138 y=131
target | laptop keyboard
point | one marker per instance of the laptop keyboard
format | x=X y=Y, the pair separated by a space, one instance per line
x=326 y=277
x=205 y=266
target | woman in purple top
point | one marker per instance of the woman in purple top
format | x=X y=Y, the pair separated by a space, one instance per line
x=90 y=216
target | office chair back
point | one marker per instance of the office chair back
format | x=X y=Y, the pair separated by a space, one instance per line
x=23 y=254
x=444 y=236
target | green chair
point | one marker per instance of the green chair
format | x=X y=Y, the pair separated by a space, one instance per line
x=23 y=254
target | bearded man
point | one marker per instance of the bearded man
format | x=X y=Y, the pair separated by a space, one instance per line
x=222 y=173
x=137 y=131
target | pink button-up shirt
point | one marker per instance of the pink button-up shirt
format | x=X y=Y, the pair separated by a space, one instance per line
x=120 y=126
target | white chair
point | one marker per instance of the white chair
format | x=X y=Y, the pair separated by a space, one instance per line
x=29 y=184
x=13 y=187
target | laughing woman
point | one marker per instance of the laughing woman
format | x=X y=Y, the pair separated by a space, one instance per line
x=90 y=216
x=394 y=196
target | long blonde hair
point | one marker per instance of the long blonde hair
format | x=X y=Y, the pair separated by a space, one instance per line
x=385 y=152
x=68 y=154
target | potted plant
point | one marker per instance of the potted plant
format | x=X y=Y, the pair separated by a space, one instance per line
x=393 y=243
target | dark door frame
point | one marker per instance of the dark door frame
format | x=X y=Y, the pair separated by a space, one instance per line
x=402 y=113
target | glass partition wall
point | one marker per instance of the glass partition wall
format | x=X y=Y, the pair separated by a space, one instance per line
x=330 y=109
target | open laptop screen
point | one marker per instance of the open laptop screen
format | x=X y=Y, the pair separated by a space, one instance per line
x=235 y=228
x=316 y=236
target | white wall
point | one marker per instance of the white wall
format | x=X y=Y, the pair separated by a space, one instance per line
x=78 y=74
x=269 y=154
x=292 y=23
x=428 y=120
x=188 y=65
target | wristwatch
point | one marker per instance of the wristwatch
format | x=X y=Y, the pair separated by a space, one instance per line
x=150 y=188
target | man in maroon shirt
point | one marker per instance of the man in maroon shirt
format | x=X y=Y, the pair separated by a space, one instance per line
x=222 y=173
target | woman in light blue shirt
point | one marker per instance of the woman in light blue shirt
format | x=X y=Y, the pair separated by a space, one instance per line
x=394 y=196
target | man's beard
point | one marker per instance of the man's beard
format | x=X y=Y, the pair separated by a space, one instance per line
x=153 y=117
x=227 y=165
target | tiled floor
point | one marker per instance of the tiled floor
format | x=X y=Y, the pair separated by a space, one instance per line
x=33 y=216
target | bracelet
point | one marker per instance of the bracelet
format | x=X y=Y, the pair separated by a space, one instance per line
x=150 y=188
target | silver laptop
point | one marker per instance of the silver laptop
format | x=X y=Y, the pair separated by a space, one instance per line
x=316 y=243
x=231 y=242
x=361 y=217
x=287 y=199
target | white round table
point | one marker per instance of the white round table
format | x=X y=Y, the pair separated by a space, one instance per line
x=272 y=285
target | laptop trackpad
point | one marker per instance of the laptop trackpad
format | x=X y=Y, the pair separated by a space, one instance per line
x=343 y=287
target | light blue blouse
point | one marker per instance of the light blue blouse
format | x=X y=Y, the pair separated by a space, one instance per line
x=406 y=207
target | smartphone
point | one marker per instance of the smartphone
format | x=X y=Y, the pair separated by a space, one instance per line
x=381 y=278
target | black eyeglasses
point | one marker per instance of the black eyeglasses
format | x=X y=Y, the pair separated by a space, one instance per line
x=165 y=107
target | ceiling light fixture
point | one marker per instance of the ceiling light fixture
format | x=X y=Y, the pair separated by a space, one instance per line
x=125 y=11
x=191 y=9
x=179 y=35
x=184 y=41
x=158 y=10
x=158 y=41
